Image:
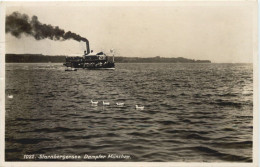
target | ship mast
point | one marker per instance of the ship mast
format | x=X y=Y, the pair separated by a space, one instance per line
x=112 y=51
x=113 y=58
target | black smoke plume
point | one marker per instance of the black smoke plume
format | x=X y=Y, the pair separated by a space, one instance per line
x=18 y=24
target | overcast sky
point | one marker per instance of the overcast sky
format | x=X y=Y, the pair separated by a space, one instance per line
x=220 y=32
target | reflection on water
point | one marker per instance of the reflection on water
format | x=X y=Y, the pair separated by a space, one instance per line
x=193 y=112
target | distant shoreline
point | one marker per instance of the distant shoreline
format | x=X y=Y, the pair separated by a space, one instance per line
x=39 y=58
x=119 y=63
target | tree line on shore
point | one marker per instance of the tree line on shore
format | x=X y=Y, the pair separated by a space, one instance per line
x=39 y=58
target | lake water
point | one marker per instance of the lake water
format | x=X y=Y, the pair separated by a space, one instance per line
x=192 y=113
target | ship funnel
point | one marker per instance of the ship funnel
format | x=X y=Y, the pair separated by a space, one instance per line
x=87 y=45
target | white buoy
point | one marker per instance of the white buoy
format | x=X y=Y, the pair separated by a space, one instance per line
x=94 y=102
x=106 y=103
x=139 y=107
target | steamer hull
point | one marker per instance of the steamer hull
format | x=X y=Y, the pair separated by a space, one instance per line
x=92 y=61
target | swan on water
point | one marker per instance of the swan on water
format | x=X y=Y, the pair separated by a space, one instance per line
x=10 y=96
x=120 y=104
x=94 y=102
x=106 y=103
x=139 y=107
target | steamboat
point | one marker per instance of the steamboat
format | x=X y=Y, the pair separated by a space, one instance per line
x=91 y=61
